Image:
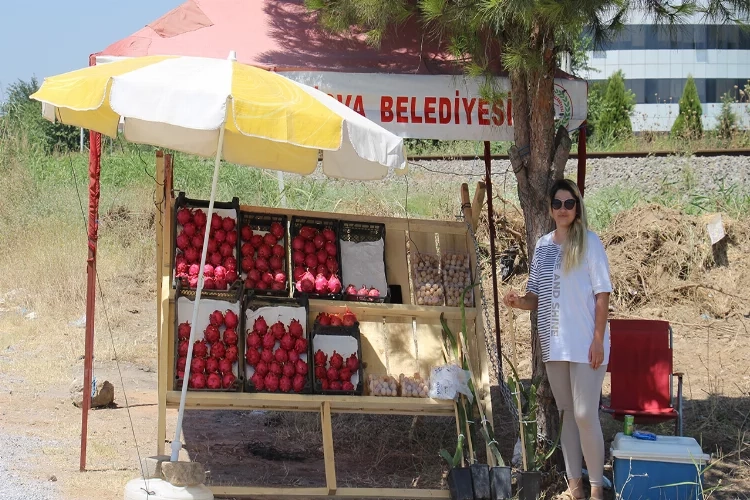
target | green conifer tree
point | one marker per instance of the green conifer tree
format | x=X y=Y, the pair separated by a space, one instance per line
x=688 y=123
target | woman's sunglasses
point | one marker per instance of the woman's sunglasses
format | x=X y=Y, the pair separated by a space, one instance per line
x=569 y=204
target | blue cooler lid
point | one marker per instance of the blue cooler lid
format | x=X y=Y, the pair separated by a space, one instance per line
x=672 y=449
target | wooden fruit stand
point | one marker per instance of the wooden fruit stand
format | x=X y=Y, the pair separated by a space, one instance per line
x=396 y=338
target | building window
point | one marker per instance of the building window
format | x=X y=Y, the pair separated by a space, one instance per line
x=679 y=37
x=669 y=90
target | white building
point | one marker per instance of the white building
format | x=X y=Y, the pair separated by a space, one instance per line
x=656 y=61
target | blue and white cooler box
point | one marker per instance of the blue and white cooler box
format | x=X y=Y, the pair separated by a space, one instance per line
x=669 y=468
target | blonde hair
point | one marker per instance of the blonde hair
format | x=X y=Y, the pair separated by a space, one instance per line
x=574 y=248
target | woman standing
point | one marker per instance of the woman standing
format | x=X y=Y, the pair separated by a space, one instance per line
x=569 y=286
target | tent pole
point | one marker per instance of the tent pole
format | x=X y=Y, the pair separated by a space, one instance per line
x=493 y=256
x=176 y=443
x=582 y=158
x=282 y=189
x=95 y=149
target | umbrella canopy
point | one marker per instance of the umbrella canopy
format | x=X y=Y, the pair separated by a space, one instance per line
x=183 y=103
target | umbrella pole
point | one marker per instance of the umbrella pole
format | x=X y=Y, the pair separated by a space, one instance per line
x=176 y=443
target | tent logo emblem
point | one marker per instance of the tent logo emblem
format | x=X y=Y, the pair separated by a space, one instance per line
x=563 y=106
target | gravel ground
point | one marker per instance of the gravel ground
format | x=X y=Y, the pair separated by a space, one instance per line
x=649 y=175
x=15 y=483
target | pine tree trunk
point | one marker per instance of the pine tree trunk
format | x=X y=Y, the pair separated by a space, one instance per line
x=538 y=158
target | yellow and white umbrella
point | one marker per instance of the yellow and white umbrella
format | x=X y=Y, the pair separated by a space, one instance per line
x=185 y=103
x=222 y=109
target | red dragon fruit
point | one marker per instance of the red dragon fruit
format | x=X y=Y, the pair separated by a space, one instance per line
x=266 y=355
x=345 y=374
x=184 y=216
x=351 y=290
x=300 y=346
x=183 y=331
x=332 y=374
x=197 y=365
x=275 y=368
x=320 y=372
x=336 y=320
x=200 y=349
x=287 y=342
x=363 y=292
x=278 y=330
x=349 y=318
x=288 y=370
x=332 y=265
x=225 y=366
x=277 y=230
x=246 y=233
x=231 y=239
x=337 y=361
x=270 y=240
x=280 y=355
x=336 y=385
x=298 y=243
x=211 y=334
x=258 y=381
x=218 y=350
x=227 y=224
x=319 y=241
x=320 y=358
x=182 y=348
x=293 y=356
x=285 y=384
x=228 y=379
x=213 y=381
x=230 y=337
x=260 y=325
x=252 y=356
x=256 y=241
x=181 y=363
x=374 y=293
x=197 y=381
x=183 y=241
x=262 y=368
x=306 y=284
x=334 y=284
x=329 y=234
x=347 y=386
x=352 y=362
x=321 y=284
x=330 y=248
x=253 y=340
x=295 y=329
x=272 y=382
x=301 y=367
x=199 y=217
x=217 y=318
x=298 y=383
x=323 y=319
x=189 y=229
x=231 y=353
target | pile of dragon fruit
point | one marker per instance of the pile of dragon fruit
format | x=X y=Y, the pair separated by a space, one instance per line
x=372 y=292
x=275 y=354
x=264 y=258
x=333 y=319
x=335 y=374
x=315 y=262
x=220 y=270
x=212 y=366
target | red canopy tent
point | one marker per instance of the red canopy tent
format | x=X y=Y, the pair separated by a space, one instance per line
x=410 y=85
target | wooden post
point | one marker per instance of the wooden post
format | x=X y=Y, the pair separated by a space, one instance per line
x=164 y=276
x=158 y=221
x=95 y=152
x=476 y=204
x=328 y=459
x=582 y=158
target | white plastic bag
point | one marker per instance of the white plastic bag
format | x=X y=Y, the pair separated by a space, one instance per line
x=448 y=381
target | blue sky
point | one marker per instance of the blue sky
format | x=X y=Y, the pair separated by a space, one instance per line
x=46 y=37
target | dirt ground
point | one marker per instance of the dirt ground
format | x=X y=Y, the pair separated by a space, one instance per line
x=662 y=267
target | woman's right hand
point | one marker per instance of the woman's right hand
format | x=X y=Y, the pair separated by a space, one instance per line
x=512 y=299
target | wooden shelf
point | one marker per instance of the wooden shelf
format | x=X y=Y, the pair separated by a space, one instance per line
x=323 y=492
x=312 y=402
x=370 y=309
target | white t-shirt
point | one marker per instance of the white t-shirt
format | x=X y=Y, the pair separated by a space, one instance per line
x=567 y=300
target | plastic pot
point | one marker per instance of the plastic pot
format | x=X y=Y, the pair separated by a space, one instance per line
x=480 y=479
x=530 y=487
x=460 y=484
x=500 y=483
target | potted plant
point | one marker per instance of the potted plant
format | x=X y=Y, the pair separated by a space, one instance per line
x=488 y=482
x=459 y=477
x=534 y=455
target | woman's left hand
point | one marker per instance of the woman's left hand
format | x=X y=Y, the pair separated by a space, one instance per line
x=596 y=353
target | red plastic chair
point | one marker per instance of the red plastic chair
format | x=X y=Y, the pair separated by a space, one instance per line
x=640 y=366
